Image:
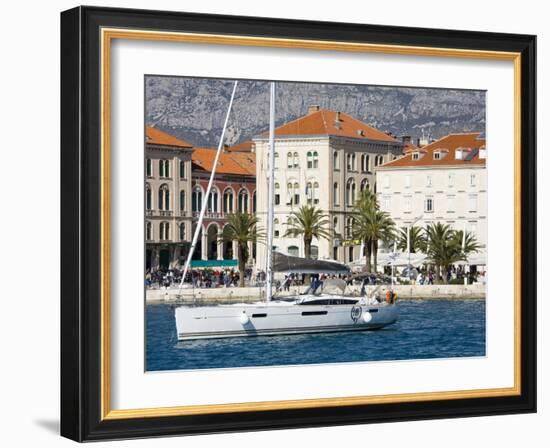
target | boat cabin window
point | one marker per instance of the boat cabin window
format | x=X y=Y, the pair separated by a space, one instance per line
x=340 y=301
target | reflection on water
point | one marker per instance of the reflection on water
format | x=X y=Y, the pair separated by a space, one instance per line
x=426 y=329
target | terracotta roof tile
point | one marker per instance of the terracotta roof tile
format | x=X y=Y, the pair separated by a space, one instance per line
x=155 y=136
x=240 y=163
x=245 y=146
x=469 y=142
x=325 y=122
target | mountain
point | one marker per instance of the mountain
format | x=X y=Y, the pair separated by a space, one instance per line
x=194 y=108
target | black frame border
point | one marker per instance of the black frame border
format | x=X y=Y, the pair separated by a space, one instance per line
x=81 y=224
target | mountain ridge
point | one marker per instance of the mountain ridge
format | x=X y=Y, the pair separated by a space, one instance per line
x=194 y=108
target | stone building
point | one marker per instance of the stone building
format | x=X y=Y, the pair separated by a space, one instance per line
x=325 y=158
x=234 y=189
x=444 y=181
x=167 y=198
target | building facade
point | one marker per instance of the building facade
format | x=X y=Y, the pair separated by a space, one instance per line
x=325 y=158
x=444 y=181
x=167 y=199
x=234 y=189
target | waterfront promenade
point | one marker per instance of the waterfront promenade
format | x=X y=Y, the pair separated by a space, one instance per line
x=252 y=294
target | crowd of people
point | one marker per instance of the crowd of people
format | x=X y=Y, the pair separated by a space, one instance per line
x=217 y=278
x=203 y=278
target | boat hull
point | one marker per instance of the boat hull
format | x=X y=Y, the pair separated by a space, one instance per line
x=210 y=322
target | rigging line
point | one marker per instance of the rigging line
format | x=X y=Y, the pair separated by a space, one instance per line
x=208 y=188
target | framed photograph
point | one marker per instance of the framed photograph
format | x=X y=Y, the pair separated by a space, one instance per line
x=273 y=224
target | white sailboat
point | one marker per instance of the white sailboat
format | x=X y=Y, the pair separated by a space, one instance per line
x=318 y=311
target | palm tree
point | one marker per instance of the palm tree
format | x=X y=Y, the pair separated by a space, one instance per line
x=371 y=225
x=470 y=245
x=445 y=247
x=416 y=236
x=309 y=222
x=383 y=229
x=242 y=228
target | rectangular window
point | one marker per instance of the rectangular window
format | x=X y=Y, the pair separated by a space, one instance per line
x=277 y=199
x=407 y=204
x=437 y=155
x=451 y=204
x=451 y=180
x=429 y=205
x=428 y=181
x=386 y=201
x=386 y=181
x=407 y=181
x=415 y=156
x=182 y=169
x=149 y=168
x=472 y=203
x=296 y=198
x=472 y=180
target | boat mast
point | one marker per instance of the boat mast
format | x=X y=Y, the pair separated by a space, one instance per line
x=270 y=195
x=208 y=188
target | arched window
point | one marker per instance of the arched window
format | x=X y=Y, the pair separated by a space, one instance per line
x=364 y=185
x=309 y=159
x=350 y=192
x=335 y=223
x=336 y=193
x=243 y=201
x=276 y=163
x=196 y=199
x=148 y=198
x=164 y=168
x=314 y=252
x=254 y=202
x=367 y=163
x=277 y=194
x=353 y=162
x=312 y=192
x=149 y=168
x=148 y=231
x=315 y=159
x=276 y=232
x=296 y=160
x=228 y=201
x=164 y=198
x=348 y=162
x=289 y=160
x=164 y=231
x=315 y=192
x=289 y=189
x=182 y=200
x=349 y=227
x=296 y=193
x=335 y=160
x=182 y=169
x=182 y=231
x=293 y=251
x=213 y=200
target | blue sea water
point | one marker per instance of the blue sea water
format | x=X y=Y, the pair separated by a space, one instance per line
x=425 y=329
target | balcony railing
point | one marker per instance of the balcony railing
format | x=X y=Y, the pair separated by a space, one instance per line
x=210 y=215
x=162 y=213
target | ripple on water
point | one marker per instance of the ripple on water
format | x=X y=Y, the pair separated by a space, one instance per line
x=425 y=330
